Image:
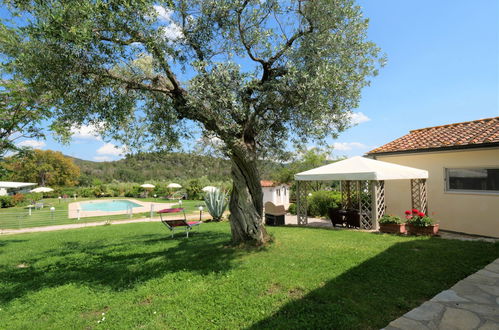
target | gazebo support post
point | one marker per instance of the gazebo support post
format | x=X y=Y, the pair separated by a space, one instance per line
x=378 y=202
x=301 y=203
x=418 y=195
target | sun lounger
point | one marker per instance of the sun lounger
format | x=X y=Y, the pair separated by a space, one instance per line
x=178 y=223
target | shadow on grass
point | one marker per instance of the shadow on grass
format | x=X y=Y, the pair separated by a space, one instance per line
x=384 y=287
x=118 y=265
x=4 y=243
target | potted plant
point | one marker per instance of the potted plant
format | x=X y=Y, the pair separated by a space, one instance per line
x=419 y=223
x=392 y=224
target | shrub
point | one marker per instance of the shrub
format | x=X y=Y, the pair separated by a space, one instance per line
x=85 y=192
x=31 y=198
x=18 y=198
x=320 y=201
x=6 y=201
x=292 y=208
x=390 y=219
x=193 y=189
x=216 y=202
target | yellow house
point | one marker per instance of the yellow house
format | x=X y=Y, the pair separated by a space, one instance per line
x=462 y=161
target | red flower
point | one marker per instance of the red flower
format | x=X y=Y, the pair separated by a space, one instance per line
x=415 y=211
x=407 y=212
x=421 y=214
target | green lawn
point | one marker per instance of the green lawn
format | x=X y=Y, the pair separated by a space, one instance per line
x=17 y=217
x=135 y=276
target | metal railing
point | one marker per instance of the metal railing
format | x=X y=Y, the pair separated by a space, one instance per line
x=26 y=218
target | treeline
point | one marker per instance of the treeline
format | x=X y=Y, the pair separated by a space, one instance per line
x=161 y=166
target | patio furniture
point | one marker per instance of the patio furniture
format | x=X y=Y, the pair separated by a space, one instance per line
x=337 y=216
x=179 y=223
x=274 y=214
x=353 y=218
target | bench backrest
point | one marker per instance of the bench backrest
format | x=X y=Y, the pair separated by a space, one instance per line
x=271 y=208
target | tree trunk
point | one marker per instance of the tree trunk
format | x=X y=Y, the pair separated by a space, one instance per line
x=246 y=200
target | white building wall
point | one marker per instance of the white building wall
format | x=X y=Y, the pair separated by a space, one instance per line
x=278 y=195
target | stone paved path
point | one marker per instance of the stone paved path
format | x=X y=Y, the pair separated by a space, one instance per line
x=472 y=303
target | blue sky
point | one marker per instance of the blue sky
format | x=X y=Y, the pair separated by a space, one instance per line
x=443 y=67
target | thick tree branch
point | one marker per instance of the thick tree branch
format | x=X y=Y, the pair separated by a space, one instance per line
x=131 y=84
x=242 y=36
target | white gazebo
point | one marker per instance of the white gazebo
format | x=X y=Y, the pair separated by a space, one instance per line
x=363 y=186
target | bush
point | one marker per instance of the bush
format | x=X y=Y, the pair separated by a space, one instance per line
x=6 y=201
x=390 y=219
x=18 y=198
x=133 y=191
x=193 y=189
x=31 y=198
x=320 y=201
x=85 y=192
x=292 y=208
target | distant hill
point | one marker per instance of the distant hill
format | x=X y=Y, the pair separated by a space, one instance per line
x=161 y=166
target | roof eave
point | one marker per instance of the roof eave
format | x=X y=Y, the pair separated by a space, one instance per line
x=460 y=147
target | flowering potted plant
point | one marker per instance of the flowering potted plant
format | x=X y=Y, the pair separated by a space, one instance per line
x=392 y=224
x=419 y=223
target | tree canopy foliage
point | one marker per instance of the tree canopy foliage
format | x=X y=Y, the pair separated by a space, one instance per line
x=20 y=114
x=254 y=74
x=45 y=167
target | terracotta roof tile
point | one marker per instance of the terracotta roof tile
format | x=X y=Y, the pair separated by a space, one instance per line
x=453 y=135
x=267 y=183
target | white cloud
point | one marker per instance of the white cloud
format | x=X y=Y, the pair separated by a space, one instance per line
x=343 y=146
x=32 y=144
x=110 y=149
x=358 y=118
x=86 y=132
x=170 y=30
x=102 y=158
x=164 y=14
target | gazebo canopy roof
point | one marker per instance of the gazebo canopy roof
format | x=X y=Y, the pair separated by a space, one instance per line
x=361 y=168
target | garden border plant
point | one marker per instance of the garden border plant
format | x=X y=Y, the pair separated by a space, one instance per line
x=418 y=223
x=392 y=224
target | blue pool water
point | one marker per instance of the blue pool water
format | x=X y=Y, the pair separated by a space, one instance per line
x=114 y=205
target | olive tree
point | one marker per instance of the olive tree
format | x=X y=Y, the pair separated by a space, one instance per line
x=253 y=75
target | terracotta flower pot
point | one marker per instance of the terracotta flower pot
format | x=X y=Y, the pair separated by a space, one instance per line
x=392 y=228
x=429 y=230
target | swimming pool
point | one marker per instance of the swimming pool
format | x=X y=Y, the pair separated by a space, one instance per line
x=113 y=205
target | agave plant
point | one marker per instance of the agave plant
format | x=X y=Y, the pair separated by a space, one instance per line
x=216 y=202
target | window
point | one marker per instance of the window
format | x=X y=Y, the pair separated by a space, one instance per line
x=473 y=179
x=278 y=192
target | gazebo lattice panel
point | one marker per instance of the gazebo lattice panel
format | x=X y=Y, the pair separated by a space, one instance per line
x=365 y=204
x=379 y=192
x=301 y=196
x=418 y=195
x=349 y=194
